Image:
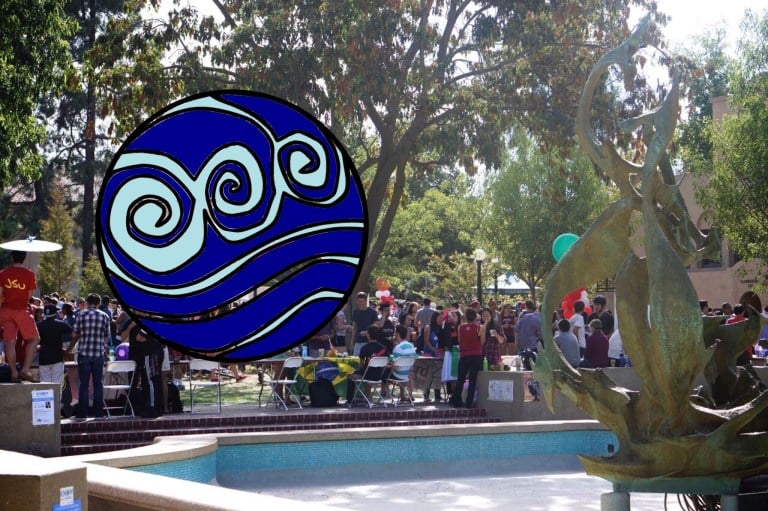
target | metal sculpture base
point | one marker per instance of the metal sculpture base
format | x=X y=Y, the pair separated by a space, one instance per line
x=619 y=501
x=683 y=485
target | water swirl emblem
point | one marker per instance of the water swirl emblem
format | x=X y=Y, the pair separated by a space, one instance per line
x=232 y=225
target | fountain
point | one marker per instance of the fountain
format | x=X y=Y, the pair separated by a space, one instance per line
x=672 y=439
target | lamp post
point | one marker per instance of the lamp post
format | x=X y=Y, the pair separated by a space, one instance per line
x=479 y=257
x=495 y=262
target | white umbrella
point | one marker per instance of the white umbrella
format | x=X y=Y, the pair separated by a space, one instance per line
x=31 y=245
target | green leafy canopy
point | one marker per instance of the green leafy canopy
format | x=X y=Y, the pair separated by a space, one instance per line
x=34 y=58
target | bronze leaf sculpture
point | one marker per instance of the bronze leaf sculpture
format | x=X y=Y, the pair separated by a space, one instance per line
x=671 y=439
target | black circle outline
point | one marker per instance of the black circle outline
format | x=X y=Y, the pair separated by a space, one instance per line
x=217 y=94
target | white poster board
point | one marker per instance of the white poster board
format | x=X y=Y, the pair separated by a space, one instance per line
x=42 y=408
x=501 y=390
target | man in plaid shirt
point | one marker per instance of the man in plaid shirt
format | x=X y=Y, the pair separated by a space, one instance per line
x=91 y=331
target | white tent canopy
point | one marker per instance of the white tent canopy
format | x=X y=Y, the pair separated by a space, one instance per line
x=509 y=284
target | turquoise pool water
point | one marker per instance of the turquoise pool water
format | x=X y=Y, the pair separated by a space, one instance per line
x=486 y=472
x=240 y=462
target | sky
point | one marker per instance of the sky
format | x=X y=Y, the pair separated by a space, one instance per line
x=692 y=17
x=689 y=17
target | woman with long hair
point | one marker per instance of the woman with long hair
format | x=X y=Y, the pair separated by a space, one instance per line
x=491 y=337
x=430 y=349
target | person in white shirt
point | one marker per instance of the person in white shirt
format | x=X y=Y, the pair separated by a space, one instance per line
x=340 y=329
x=403 y=348
x=577 y=326
x=615 y=347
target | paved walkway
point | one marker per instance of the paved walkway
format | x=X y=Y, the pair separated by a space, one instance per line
x=540 y=484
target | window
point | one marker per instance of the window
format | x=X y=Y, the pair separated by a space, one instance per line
x=709 y=263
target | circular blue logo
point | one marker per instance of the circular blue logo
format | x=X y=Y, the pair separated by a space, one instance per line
x=232 y=225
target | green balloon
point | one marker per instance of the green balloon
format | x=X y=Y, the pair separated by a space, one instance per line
x=562 y=244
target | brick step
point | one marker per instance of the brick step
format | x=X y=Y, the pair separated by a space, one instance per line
x=180 y=421
x=135 y=435
x=88 y=443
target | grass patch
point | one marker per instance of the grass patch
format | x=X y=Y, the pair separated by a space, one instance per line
x=244 y=392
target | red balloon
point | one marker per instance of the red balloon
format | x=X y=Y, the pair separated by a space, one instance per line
x=573 y=297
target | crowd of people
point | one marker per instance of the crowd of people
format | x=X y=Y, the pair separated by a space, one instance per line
x=46 y=331
x=732 y=314
x=484 y=334
x=466 y=338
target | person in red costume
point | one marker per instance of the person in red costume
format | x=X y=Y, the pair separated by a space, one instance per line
x=16 y=286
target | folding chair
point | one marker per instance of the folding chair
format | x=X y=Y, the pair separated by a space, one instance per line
x=197 y=364
x=120 y=375
x=378 y=363
x=401 y=366
x=285 y=381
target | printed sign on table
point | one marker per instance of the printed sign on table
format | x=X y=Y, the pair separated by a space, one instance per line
x=42 y=407
x=501 y=390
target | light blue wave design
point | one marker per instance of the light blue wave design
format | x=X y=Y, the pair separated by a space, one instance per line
x=310 y=179
x=230 y=268
x=285 y=317
x=152 y=208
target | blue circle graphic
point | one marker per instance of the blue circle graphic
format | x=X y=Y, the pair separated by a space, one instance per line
x=232 y=225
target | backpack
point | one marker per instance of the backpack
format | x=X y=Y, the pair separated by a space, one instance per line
x=174 y=399
x=322 y=394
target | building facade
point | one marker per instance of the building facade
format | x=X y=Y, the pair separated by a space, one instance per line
x=730 y=279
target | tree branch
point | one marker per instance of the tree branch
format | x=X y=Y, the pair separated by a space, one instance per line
x=376 y=119
x=386 y=223
x=418 y=42
x=224 y=12
x=366 y=165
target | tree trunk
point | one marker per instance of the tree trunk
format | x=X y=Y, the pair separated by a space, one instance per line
x=90 y=148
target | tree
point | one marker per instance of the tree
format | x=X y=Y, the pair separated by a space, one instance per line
x=33 y=61
x=427 y=84
x=737 y=186
x=426 y=237
x=456 y=276
x=109 y=95
x=708 y=78
x=58 y=269
x=535 y=197
x=92 y=279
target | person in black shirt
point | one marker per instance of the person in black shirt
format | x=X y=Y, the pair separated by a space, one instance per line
x=386 y=328
x=599 y=312
x=53 y=333
x=147 y=351
x=371 y=349
x=362 y=317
